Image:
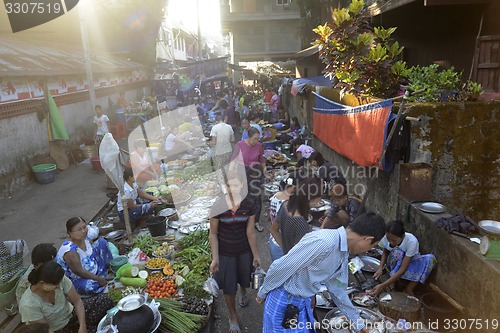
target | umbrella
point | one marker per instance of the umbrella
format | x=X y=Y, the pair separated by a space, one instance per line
x=109 y=155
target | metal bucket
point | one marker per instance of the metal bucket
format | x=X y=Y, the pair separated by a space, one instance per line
x=258 y=278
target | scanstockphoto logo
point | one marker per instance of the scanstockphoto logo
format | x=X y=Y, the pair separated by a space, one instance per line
x=177 y=137
x=26 y=14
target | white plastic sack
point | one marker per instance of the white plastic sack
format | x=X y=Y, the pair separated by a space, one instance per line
x=109 y=154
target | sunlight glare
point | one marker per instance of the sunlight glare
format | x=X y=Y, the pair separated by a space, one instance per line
x=184 y=12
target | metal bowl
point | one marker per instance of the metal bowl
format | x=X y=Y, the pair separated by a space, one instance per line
x=115 y=235
x=490 y=227
x=335 y=316
x=167 y=212
x=432 y=207
x=370 y=264
x=131 y=302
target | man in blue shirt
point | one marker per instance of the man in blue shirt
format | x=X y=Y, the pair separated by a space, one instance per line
x=318 y=260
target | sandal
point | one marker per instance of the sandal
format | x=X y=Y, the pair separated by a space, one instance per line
x=243 y=300
x=233 y=328
x=259 y=227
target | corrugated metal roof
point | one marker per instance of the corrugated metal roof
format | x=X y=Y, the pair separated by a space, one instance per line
x=21 y=57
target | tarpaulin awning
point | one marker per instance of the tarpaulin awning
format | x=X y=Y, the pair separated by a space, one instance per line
x=299 y=84
x=358 y=133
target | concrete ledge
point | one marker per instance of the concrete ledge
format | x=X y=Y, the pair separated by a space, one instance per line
x=462 y=272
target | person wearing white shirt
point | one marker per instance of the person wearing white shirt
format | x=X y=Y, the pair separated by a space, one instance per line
x=403 y=259
x=132 y=192
x=222 y=135
x=101 y=121
x=320 y=259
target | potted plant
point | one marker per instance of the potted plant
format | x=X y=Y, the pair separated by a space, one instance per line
x=360 y=59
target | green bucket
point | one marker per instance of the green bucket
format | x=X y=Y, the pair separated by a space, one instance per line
x=43 y=167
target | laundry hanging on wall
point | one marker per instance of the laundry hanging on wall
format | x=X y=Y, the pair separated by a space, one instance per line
x=358 y=133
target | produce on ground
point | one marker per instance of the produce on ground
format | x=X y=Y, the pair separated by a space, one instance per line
x=115 y=295
x=131 y=291
x=198 y=237
x=175 y=320
x=168 y=269
x=120 y=270
x=195 y=305
x=164 y=249
x=155 y=276
x=131 y=271
x=134 y=282
x=157 y=263
x=146 y=243
x=162 y=289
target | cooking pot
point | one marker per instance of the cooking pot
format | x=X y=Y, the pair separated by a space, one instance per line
x=139 y=320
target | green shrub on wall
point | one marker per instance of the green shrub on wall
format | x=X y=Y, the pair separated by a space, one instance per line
x=360 y=59
x=440 y=85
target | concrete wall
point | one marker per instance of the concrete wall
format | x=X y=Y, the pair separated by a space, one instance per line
x=24 y=138
x=459 y=140
x=462 y=272
x=461 y=143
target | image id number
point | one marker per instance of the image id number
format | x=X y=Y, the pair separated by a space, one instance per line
x=469 y=324
x=32 y=8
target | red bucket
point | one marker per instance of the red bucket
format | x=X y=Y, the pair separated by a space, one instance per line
x=96 y=164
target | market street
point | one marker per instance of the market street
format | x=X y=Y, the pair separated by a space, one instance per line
x=38 y=214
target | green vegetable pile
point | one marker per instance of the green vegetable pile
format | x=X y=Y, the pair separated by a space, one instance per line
x=198 y=237
x=146 y=243
x=195 y=254
x=175 y=320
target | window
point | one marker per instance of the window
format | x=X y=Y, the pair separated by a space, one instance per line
x=282 y=2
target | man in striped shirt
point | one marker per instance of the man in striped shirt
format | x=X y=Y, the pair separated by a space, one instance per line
x=319 y=259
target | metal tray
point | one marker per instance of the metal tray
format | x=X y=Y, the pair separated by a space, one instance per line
x=323 y=303
x=431 y=207
x=357 y=299
x=371 y=264
x=116 y=234
x=322 y=206
x=192 y=228
x=167 y=212
x=131 y=302
x=490 y=227
x=336 y=315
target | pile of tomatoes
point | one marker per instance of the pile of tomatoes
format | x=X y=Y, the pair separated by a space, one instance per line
x=162 y=289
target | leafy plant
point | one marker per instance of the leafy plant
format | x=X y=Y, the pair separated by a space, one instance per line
x=360 y=58
x=440 y=86
x=471 y=91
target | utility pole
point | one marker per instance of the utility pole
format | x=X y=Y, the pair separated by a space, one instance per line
x=200 y=52
x=82 y=12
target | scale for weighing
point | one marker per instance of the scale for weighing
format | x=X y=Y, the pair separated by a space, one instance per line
x=490 y=243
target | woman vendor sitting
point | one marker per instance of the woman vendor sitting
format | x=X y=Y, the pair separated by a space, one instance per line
x=401 y=254
x=53 y=300
x=85 y=263
x=144 y=168
x=136 y=210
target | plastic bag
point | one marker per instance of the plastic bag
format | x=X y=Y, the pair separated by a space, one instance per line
x=113 y=249
x=355 y=265
x=137 y=258
x=211 y=286
x=93 y=232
